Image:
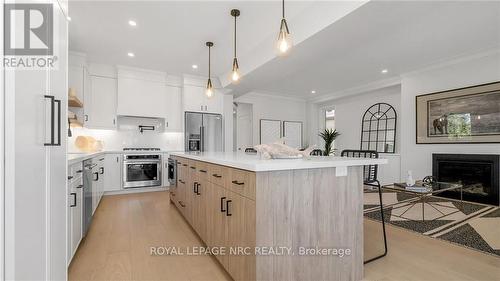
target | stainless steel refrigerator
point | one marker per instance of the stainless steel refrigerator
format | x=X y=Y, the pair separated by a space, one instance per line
x=203 y=132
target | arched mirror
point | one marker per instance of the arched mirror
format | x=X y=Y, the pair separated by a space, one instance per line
x=378 y=128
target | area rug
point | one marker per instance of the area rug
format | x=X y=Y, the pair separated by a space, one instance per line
x=470 y=225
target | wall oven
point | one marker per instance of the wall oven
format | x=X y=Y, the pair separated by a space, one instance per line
x=141 y=170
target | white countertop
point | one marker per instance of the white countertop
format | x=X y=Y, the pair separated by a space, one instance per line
x=253 y=162
x=75 y=157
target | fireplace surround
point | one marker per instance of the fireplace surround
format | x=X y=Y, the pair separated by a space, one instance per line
x=479 y=173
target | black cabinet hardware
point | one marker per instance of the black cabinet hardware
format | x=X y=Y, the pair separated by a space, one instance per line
x=96 y=176
x=222 y=204
x=80 y=186
x=217 y=176
x=194 y=187
x=185 y=165
x=238 y=183
x=198 y=189
x=70 y=177
x=181 y=181
x=79 y=171
x=194 y=168
x=203 y=171
x=101 y=170
x=53 y=101
x=227 y=208
x=74 y=199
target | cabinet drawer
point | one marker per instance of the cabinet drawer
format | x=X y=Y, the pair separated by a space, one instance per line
x=241 y=182
x=217 y=174
x=203 y=171
x=75 y=172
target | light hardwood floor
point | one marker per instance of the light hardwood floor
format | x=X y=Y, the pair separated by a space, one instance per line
x=118 y=244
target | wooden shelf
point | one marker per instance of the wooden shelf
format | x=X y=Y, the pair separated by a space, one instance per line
x=74 y=123
x=73 y=100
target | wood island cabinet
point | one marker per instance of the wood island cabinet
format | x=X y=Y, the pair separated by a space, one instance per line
x=255 y=208
x=219 y=204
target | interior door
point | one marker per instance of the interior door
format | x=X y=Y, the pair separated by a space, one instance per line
x=212 y=140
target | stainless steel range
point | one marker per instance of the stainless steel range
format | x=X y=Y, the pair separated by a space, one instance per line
x=141 y=169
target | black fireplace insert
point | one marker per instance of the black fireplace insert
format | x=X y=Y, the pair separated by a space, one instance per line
x=479 y=174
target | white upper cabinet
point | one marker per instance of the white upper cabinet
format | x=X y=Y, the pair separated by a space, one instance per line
x=173 y=118
x=194 y=99
x=100 y=103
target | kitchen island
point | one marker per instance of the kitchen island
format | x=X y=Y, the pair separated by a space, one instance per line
x=293 y=219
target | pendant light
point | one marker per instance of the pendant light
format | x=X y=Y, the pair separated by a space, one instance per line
x=210 y=91
x=284 y=43
x=235 y=72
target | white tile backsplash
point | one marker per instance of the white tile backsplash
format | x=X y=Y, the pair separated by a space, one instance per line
x=117 y=140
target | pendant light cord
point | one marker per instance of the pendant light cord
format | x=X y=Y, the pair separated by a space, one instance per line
x=235 y=36
x=283 y=8
x=209 y=47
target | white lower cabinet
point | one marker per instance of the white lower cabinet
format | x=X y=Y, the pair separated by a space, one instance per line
x=113 y=172
x=75 y=209
x=98 y=181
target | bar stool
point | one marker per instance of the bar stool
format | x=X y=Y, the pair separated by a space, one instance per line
x=370 y=179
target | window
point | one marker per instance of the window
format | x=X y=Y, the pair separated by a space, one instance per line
x=330 y=119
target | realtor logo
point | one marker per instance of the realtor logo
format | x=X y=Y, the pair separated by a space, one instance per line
x=28 y=30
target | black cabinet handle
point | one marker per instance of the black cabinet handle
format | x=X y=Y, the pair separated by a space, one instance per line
x=185 y=165
x=222 y=204
x=181 y=181
x=203 y=171
x=74 y=199
x=70 y=177
x=96 y=176
x=198 y=189
x=53 y=101
x=228 y=214
x=217 y=176
x=101 y=170
x=194 y=168
x=79 y=171
x=238 y=183
x=80 y=186
x=194 y=187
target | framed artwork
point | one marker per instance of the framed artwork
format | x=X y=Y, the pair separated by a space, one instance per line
x=270 y=130
x=292 y=133
x=465 y=115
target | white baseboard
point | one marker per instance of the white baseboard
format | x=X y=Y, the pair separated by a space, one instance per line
x=136 y=190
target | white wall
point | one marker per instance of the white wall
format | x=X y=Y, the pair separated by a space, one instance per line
x=275 y=107
x=349 y=112
x=461 y=73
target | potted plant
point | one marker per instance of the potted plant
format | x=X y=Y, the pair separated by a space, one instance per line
x=329 y=135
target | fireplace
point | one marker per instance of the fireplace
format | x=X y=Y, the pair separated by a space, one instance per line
x=477 y=172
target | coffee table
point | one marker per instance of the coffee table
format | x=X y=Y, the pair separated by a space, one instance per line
x=423 y=196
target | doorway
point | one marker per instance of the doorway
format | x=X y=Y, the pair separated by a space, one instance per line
x=243 y=123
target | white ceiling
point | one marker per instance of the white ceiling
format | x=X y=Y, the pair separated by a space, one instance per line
x=170 y=35
x=338 y=44
x=398 y=36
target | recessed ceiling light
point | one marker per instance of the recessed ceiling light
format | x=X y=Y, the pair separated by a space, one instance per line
x=68 y=18
x=194 y=66
x=132 y=23
x=313 y=92
x=131 y=55
x=384 y=71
